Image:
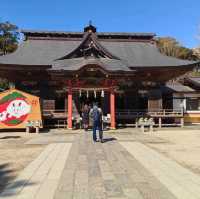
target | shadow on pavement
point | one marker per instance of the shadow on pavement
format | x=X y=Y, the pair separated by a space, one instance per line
x=10 y=137
x=7 y=188
x=109 y=139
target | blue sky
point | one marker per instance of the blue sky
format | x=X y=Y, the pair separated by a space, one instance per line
x=176 y=18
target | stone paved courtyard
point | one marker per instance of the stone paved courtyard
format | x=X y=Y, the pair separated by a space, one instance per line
x=123 y=167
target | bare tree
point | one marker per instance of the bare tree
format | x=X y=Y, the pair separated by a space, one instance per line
x=171 y=47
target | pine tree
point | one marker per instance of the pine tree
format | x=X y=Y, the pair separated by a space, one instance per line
x=9 y=36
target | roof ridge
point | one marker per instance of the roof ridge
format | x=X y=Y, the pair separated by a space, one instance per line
x=26 y=31
x=94 y=47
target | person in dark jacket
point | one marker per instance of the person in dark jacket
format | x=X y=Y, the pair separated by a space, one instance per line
x=96 y=115
x=85 y=116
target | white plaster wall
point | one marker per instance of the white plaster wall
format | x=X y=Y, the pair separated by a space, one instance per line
x=179 y=104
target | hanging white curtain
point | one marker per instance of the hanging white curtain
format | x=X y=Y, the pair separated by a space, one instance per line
x=95 y=94
x=102 y=93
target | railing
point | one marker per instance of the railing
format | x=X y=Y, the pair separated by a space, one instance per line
x=58 y=113
x=124 y=113
x=136 y=113
x=160 y=116
x=127 y=115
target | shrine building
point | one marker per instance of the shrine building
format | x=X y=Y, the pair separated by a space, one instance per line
x=124 y=72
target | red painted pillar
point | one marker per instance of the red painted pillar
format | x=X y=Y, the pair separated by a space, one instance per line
x=112 y=109
x=69 y=117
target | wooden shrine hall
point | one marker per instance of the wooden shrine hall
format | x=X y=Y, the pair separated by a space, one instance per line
x=123 y=72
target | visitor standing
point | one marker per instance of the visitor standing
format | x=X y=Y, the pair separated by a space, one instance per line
x=96 y=115
x=85 y=116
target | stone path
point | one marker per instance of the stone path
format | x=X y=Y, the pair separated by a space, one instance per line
x=112 y=170
x=101 y=171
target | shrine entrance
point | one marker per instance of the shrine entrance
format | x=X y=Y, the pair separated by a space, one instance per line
x=89 y=97
x=91 y=84
x=77 y=98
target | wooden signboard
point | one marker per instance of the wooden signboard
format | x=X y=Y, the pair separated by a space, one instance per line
x=17 y=108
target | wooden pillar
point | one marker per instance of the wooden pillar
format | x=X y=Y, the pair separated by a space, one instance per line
x=112 y=109
x=69 y=107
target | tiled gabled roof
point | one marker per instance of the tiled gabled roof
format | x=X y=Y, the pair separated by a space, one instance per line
x=133 y=54
x=177 y=87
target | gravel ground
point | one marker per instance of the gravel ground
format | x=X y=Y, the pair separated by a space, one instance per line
x=181 y=145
